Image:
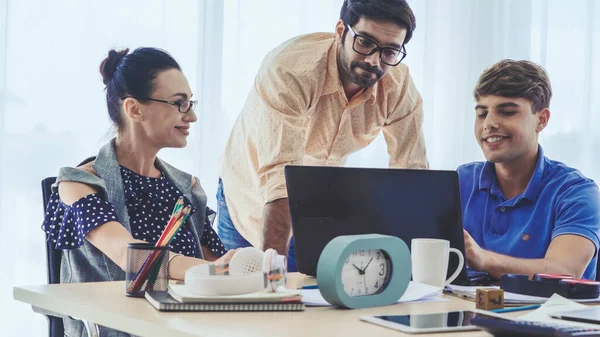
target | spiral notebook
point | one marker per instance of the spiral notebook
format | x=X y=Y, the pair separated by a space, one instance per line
x=162 y=301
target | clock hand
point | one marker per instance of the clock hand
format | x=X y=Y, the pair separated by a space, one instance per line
x=360 y=271
x=367 y=265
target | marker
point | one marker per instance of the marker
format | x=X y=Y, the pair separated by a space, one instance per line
x=525 y=307
x=311 y=287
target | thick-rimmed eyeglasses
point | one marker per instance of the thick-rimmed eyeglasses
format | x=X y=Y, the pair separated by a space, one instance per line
x=183 y=106
x=366 y=46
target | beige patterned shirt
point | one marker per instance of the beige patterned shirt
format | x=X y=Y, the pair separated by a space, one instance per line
x=297 y=114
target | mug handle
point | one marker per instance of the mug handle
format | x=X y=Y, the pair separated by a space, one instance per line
x=461 y=262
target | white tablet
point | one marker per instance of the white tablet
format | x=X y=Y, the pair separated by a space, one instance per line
x=425 y=323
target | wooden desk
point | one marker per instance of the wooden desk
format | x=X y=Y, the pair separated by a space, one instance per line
x=105 y=304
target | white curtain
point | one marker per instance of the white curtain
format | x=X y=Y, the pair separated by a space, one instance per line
x=52 y=108
x=454 y=42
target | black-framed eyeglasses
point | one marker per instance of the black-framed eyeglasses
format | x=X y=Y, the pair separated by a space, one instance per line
x=366 y=46
x=183 y=106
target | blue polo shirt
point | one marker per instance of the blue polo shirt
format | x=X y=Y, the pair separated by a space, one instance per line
x=558 y=200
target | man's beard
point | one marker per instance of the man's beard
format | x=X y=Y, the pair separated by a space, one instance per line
x=362 y=80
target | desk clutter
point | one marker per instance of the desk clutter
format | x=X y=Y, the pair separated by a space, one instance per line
x=255 y=281
x=545 y=285
x=510 y=298
x=251 y=281
x=558 y=298
x=542 y=321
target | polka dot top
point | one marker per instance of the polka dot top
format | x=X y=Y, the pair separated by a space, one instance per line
x=149 y=204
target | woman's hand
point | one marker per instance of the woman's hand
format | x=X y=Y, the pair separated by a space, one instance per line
x=227 y=257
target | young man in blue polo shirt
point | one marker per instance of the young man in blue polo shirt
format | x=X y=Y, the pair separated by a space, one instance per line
x=522 y=212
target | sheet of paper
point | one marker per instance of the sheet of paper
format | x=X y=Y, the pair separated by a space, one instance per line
x=415 y=292
x=509 y=298
x=556 y=304
x=418 y=291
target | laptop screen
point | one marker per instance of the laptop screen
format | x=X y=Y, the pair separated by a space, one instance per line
x=326 y=202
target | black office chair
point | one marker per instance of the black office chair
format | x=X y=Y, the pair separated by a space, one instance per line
x=53 y=256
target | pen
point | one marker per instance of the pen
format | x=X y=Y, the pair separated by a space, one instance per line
x=311 y=287
x=525 y=307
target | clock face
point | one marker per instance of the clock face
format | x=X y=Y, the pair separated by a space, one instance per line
x=365 y=272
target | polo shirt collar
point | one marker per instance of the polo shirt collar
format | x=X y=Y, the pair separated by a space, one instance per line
x=487 y=179
x=535 y=184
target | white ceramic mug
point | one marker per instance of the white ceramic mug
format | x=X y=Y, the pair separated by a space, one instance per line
x=430 y=261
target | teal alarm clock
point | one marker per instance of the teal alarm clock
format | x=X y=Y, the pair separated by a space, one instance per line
x=366 y=270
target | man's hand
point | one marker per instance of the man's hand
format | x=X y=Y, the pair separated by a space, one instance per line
x=475 y=255
x=567 y=255
x=277 y=226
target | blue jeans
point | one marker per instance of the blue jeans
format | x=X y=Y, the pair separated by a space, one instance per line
x=230 y=236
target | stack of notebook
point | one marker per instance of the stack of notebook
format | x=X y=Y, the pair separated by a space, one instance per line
x=178 y=298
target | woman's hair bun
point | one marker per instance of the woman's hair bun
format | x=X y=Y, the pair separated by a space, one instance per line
x=109 y=65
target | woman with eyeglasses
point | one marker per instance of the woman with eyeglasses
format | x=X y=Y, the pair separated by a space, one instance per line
x=126 y=193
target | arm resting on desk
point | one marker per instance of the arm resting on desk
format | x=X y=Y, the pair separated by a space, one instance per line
x=567 y=255
x=112 y=237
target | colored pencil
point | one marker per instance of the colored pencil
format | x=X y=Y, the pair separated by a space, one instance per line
x=511 y=309
x=178 y=218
